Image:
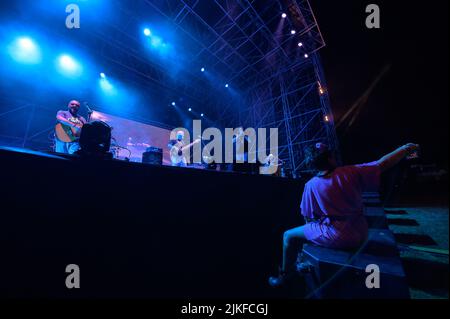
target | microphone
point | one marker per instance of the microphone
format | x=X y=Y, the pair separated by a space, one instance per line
x=88 y=108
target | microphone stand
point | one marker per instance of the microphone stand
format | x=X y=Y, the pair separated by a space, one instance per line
x=89 y=111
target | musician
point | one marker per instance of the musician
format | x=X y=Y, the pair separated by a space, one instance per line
x=70 y=119
x=332 y=204
x=272 y=164
x=176 y=150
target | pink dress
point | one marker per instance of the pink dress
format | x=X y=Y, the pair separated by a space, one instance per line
x=335 y=203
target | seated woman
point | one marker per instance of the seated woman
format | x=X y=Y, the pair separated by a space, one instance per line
x=332 y=204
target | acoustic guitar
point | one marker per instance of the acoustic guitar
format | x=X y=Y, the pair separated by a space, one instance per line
x=66 y=133
x=177 y=151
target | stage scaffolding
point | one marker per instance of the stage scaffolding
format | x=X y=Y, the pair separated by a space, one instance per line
x=275 y=77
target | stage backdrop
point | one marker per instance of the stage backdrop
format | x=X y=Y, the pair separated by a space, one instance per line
x=134 y=137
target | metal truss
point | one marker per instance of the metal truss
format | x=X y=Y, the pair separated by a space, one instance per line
x=244 y=43
x=19 y=128
x=293 y=103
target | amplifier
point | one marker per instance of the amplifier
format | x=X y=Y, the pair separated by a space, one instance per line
x=153 y=155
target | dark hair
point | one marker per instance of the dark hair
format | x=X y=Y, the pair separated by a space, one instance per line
x=317 y=157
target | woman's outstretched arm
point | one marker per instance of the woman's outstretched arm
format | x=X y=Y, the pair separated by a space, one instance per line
x=391 y=159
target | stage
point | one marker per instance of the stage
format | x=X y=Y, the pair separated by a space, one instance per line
x=139 y=230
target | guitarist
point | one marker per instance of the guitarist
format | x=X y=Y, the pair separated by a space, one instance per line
x=71 y=123
x=177 y=150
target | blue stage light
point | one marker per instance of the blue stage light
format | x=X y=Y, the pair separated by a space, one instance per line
x=106 y=86
x=293 y=32
x=202 y=69
x=103 y=75
x=25 y=50
x=283 y=15
x=189 y=109
x=69 y=66
x=67 y=62
x=202 y=115
x=226 y=85
x=156 y=42
x=147 y=32
x=173 y=103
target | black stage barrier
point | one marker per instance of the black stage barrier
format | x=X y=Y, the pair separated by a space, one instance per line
x=139 y=230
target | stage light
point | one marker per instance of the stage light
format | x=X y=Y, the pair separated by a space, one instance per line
x=293 y=32
x=69 y=66
x=156 y=42
x=202 y=115
x=283 y=15
x=326 y=118
x=226 y=85
x=67 y=62
x=306 y=55
x=300 y=44
x=106 y=86
x=321 y=90
x=26 y=43
x=202 y=69
x=24 y=50
x=173 y=103
x=189 y=109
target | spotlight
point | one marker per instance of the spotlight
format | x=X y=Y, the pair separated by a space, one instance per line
x=226 y=85
x=283 y=15
x=300 y=44
x=321 y=90
x=202 y=115
x=103 y=75
x=173 y=103
x=202 y=69
x=189 y=109
x=24 y=50
x=106 y=86
x=326 y=118
x=69 y=66
x=147 y=32
x=293 y=32
x=67 y=62
x=306 y=55
x=26 y=43
x=156 y=42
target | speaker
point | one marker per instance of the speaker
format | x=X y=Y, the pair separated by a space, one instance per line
x=153 y=155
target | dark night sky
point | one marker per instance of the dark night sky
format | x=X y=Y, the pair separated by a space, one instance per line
x=410 y=104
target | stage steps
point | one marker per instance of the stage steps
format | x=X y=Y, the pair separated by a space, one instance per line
x=372 y=199
x=376 y=217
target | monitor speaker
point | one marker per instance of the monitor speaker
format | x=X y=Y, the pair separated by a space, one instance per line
x=153 y=155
